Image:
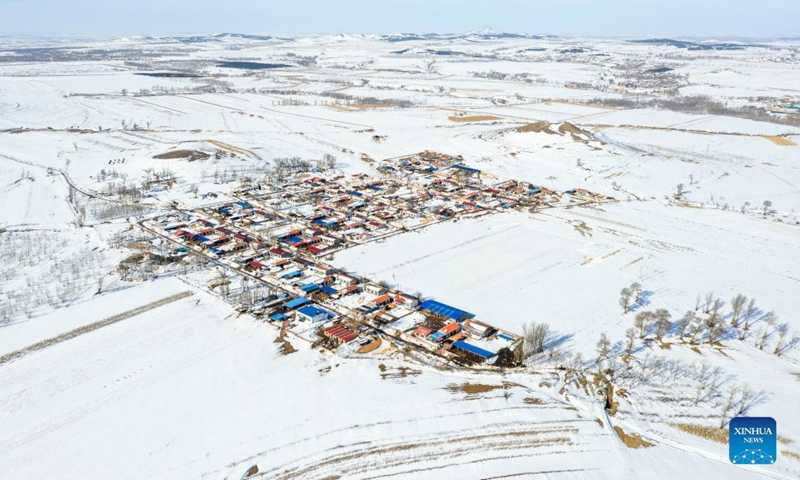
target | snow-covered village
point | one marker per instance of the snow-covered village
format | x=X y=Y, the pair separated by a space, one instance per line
x=425 y=256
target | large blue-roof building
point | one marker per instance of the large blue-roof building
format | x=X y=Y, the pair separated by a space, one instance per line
x=444 y=310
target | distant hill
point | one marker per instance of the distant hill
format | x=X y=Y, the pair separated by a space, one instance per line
x=694 y=45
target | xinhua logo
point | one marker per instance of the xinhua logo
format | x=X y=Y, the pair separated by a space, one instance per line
x=753 y=441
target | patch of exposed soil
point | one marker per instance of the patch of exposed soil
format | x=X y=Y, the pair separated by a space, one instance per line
x=400 y=372
x=371 y=346
x=567 y=127
x=537 y=127
x=718 y=435
x=781 y=141
x=474 y=391
x=631 y=440
x=190 y=155
x=284 y=347
x=472 y=118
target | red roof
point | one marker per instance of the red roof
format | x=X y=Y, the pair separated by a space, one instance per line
x=423 y=331
x=340 y=332
x=257 y=265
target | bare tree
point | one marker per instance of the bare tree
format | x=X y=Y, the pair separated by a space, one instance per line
x=715 y=328
x=662 y=323
x=716 y=306
x=534 y=335
x=636 y=290
x=709 y=299
x=783 y=338
x=767 y=204
x=642 y=322
x=603 y=346
x=625 y=299
x=748 y=399
x=630 y=341
x=770 y=319
x=728 y=406
x=737 y=305
x=749 y=316
x=683 y=324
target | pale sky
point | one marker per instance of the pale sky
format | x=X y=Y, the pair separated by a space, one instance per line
x=642 y=18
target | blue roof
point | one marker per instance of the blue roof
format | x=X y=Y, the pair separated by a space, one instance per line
x=278 y=316
x=312 y=311
x=243 y=204
x=293 y=239
x=435 y=336
x=297 y=302
x=309 y=287
x=330 y=290
x=374 y=187
x=445 y=310
x=473 y=349
x=468 y=169
x=357 y=194
x=201 y=238
x=295 y=274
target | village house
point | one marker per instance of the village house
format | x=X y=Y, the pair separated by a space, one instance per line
x=340 y=333
x=374 y=289
x=312 y=314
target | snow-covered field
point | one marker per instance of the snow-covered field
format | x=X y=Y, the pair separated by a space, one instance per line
x=192 y=389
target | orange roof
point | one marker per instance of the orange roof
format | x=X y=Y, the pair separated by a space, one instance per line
x=382 y=299
x=450 y=328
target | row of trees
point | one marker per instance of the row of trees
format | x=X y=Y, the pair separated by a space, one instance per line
x=698 y=104
x=629 y=365
x=710 y=322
